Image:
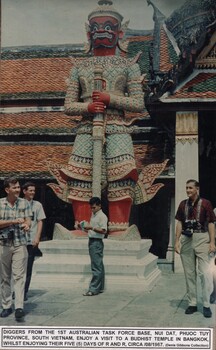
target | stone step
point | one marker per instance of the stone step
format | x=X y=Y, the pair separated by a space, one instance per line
x=57 y=280
x=80 y=247
x=52 y=280
x=65 y=263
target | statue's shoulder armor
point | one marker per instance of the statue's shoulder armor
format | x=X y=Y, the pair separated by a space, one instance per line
x=105 y=61
x=134 y=59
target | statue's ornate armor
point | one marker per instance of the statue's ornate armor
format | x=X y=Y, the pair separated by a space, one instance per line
x=122 y=80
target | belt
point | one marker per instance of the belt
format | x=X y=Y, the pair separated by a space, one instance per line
x=199 y=231
x=95 y=239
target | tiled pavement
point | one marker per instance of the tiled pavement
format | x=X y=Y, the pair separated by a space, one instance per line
x=59 y=302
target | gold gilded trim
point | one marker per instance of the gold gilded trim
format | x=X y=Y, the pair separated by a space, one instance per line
x=186 y=123
x=183 y=139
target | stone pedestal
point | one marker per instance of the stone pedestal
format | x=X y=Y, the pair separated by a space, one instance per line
x=126 y=262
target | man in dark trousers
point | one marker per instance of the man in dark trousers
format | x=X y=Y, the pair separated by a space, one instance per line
x=196 y=228
x=37 y=218
x=97 y=228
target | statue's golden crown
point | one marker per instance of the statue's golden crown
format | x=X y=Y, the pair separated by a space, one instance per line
x=105 y=8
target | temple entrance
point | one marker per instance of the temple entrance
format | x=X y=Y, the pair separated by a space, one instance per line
x=153 y=220
x=207 y=156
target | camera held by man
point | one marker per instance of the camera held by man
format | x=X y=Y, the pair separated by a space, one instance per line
x=189 y=227
x=7 y=234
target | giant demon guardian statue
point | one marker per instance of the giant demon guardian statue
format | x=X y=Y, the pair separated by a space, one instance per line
x=101 y=89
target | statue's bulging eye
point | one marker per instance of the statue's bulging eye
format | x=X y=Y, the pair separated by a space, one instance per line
x=94 y=27
x=108 y=27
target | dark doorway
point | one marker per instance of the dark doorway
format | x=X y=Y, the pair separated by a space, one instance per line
x=57 y=211
x=153 y=219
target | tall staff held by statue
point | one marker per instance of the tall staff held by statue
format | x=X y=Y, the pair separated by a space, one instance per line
x=98 y=138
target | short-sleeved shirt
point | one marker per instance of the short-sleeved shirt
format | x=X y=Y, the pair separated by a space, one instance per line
x=37 y=215
x=21 y=209
x=206 y=213
x=98 y=220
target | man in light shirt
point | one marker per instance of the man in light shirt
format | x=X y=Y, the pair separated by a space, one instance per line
x=97 y=228
x=37 y=218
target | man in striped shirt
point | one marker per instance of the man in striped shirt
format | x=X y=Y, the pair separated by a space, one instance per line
x=15 y=222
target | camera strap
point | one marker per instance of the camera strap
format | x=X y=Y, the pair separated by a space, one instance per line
x=187 y=206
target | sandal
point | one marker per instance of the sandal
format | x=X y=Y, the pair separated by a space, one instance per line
x=89 y=294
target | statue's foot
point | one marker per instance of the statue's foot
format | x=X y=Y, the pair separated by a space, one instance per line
x=79 y=233
x=117 y=233
x=130 y=234
x=60 y=232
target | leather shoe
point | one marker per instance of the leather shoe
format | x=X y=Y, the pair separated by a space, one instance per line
x=6 y=312
x=190 y=310
x=89 y=294
x=19 y=313
x=207 y=312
